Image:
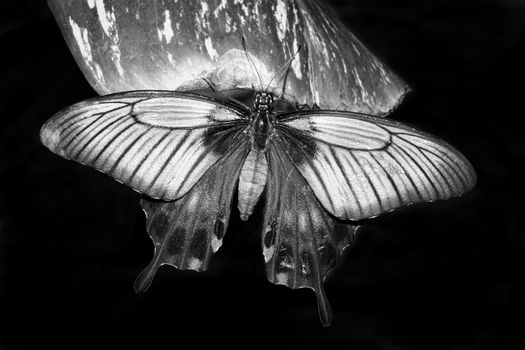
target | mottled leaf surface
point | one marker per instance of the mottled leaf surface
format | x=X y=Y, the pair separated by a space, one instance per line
x=171 y=45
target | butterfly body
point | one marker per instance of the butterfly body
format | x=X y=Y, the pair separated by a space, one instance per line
x=262 y=120
x=254 y=172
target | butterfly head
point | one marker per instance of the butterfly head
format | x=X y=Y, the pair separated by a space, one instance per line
x=263 y=100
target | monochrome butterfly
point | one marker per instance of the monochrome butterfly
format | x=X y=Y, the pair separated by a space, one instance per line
x=318 y=169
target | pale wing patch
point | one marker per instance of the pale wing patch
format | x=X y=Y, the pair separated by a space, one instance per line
x=181 y=112
x=337 y=131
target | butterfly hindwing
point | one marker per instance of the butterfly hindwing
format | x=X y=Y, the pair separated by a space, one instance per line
x=301 y=241
x=186 y=232
x=361 y=166
x=158 y=142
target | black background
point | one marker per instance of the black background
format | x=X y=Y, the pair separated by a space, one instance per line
x=445 y=275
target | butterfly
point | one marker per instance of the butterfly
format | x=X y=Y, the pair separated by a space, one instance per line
x=320 y=170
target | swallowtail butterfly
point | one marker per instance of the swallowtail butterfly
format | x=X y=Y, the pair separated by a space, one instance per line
x=319 y=168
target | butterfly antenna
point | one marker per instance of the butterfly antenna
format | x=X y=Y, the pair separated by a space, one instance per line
x=213 y=88
x=284 y=83
x=251 y=61
x=288 y=64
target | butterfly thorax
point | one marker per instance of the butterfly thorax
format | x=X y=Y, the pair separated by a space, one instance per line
x=261 y=126
x=261 y=129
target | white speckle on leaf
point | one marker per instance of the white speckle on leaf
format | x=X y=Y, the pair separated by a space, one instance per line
x=170 y=58
x=82 y=40
x=166 y=31
x=214 y=55
x=99 y=74
x=296 y=64
x=384 y=75
x=108 y=23
x=359 y=82
x=220 y=7
x=227 y=23
x=204 y=8
x=256 y=14
x=356 y=50
x=106 y=18
x=282 y=19
x=245 y=12
x=81 y=37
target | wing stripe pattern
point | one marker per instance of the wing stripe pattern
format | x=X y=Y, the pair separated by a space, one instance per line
x=410 y=167
x=84 y=113
x=113 y=147
x=150 y=159
x=348 y=182
x=136 y=155
x=159 y=143
x=379 y=182
x=361 y=166
x=74 y=132
x=399 y=195
x=127 y=152
x=423 y=180
x=367 y=176
x=443 y=189
x=166 y=161
x=100 y=134
x=103 y=130
x=145 y=156
x=443 y=152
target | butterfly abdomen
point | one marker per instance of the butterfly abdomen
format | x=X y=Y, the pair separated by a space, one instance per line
x=252 y=181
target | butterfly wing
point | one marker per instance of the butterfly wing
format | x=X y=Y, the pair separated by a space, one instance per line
x=158 y=142
x=301 y=241
x=187 y=231
x=360 y=166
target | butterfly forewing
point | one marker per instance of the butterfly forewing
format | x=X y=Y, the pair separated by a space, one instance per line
x=301 y=241
x=361 y=166
x=159 y=143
